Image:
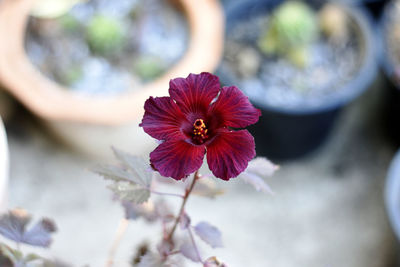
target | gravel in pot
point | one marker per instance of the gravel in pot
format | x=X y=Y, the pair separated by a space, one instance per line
x=106 y=47
x=303 y=83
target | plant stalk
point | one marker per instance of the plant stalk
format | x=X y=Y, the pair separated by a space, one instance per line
x=182 y=209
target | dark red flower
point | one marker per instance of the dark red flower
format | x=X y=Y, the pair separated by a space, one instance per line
x=197 y=117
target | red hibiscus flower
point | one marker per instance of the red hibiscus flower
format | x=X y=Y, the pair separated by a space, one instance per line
x=197 y=117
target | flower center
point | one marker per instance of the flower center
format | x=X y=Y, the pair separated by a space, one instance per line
x=199 y=132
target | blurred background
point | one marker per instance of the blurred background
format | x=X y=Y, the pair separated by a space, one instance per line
x=74 y=75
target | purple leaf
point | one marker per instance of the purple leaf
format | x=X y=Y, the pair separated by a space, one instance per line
x=189 y=251
x=13 y=226
x=209 y=234
x=40 y=234
x=184 y=221
x=262 y=167
x=258 y=169
x=256 y=181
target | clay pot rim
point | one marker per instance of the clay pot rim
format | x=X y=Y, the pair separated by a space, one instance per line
x=51 y=101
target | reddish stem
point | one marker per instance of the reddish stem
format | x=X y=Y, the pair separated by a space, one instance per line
x=182 y=209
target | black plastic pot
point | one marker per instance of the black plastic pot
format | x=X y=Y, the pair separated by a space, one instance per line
x=375 y=6
x=392 y=84
x=287 y=133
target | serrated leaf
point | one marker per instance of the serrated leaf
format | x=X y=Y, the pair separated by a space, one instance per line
x=189 y=251
x=137 y=165
x=134 y=170
x=13 y=226
x=130 y=192
x=258 y=169
x=113 y=173
x=262 y=167
x=52 y=8
x=256 y=181
x=209 y=234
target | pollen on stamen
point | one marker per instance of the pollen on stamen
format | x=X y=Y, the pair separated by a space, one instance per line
x=199 y=131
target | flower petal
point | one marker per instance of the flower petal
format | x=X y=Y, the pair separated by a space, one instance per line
x=162 y=118
x=233 y=109
x=229 y=153
x=177 y=158
x=195 y=93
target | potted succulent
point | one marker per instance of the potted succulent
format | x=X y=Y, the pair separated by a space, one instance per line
x=72 y=114
x=3 y=166
x=300 y=64
x=390 y=61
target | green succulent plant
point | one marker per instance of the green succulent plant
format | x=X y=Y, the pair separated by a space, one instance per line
x=292 y=28
x=105 y=34
x=148 y=67
x=69 y=22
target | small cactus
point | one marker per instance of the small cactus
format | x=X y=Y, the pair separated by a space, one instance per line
x=105 y=34
x=292 y=28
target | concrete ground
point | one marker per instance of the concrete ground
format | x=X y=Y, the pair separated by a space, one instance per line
x=327 y=210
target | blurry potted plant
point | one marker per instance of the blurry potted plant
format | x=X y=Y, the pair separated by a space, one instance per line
x=3 y=167
x=300 y=65
x=94 y=121
x=390 y=60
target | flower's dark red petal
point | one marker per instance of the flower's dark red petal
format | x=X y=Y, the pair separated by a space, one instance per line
x=162 y=118
x=177 y=158
x=195 y=93
x=229 y=153
x=233 y=109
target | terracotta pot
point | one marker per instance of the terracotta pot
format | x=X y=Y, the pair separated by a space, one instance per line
x=3 y=167
x=71 y=115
